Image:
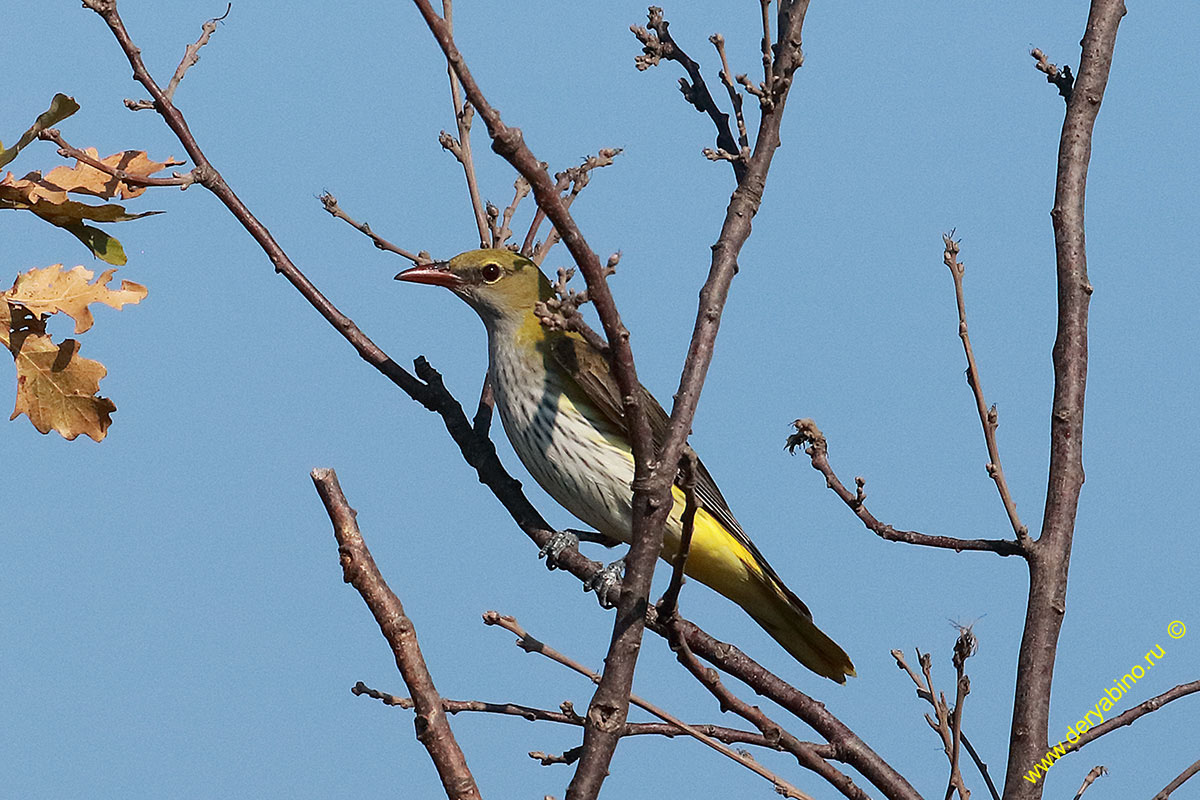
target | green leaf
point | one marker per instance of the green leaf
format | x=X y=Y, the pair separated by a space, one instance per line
x=104 y=247
x=61 y=107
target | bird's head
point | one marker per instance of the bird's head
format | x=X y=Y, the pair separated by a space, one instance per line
x=498 y=284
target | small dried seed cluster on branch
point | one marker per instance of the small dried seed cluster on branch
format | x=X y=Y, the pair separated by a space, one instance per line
x=561 y=312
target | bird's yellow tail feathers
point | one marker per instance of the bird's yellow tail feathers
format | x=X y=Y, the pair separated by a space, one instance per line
x=791 y=624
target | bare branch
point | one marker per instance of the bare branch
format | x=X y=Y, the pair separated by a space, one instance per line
x=531 y=645
x=360 y=571
x=191 y=55
x=610 y=704
x=568 y=716
x=809 y=436
x=1179 y=781
x=847 y=747
x=330 y=204
x=767 y=61
x=504 y=232
x=981 y=766
x=735 y=96
x=576 y=178
x=1131 y=715
x=658 y=44
x=1050 y=555
x=988 y=417
x=949 y=721
x=462 y=148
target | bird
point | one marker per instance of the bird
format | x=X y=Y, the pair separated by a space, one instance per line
x=561 y=410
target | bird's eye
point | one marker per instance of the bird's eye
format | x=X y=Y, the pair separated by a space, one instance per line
x=491 y=273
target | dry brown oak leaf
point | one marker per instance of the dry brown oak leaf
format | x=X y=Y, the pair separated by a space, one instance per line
x=56 y=387
x=50 y=290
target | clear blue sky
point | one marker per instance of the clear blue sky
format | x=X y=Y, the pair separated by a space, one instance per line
x=171 y=607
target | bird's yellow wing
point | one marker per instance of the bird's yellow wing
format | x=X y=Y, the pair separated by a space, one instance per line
x=591 y=372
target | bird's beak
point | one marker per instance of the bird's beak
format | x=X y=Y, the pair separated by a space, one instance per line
x=435 y=274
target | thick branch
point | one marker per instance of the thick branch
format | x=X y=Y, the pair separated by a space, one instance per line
x=1050 y=555
x=360 y=571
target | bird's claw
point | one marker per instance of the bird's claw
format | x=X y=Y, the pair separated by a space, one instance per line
x=603 y=582
x=554 y=547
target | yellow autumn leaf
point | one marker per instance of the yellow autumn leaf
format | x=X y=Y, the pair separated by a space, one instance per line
x=56 y=387
x=51 y=289
x=85 y=179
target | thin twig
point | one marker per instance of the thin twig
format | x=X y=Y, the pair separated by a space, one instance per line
x=191 y=55
x=575 y=178
x=530 y=243
x=988 y=417
x=949 y=721
x=1177 y=782
x=568 y=716
x=462 y=119
x=1131 y=715
x=981 y=766
x=330 y=203
x=767 y=61
x=531 y=645
x=809 y=436
x=735 y=96
x=1088 y=779
x=504 y=232
x=67 y=151
x=359 y=570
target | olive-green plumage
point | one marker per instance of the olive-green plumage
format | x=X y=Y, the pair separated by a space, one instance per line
x=561 y=409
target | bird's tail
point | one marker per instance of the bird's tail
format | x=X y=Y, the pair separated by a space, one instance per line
x=785 y=617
